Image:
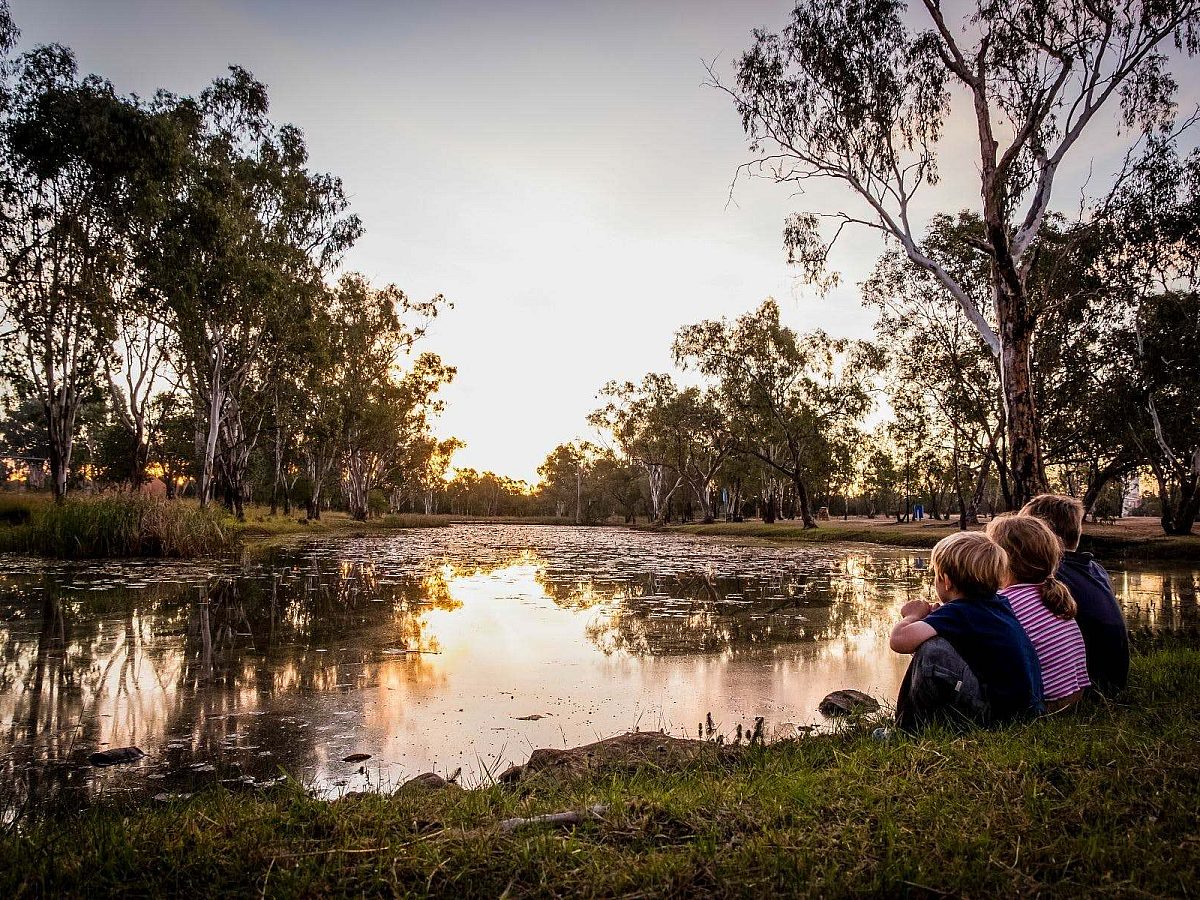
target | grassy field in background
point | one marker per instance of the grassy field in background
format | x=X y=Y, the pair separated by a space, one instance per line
x=116 y=525
x=1140 y=538
x=1103 y=801
x=261 y=525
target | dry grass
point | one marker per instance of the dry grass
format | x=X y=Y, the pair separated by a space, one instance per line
x=1137 y=537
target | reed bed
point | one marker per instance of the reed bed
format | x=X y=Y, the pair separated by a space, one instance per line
x=120 y=525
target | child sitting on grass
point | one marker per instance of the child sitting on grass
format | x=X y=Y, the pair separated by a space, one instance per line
x=972 y=662
x=1043 y=606
x=1099 y=615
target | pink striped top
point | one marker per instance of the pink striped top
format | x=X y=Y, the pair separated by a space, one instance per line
x=1058 y=643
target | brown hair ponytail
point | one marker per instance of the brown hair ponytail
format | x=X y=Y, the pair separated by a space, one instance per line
x=1034 y=553
x=1058 y=599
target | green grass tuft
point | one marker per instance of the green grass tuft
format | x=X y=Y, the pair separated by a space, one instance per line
x=118 y=525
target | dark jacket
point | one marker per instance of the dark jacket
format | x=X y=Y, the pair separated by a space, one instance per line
x=1100 y=619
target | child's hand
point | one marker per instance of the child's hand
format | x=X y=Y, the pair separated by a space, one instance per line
x=916 y=609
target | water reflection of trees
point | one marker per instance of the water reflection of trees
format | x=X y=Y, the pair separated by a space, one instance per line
x=79 y=669
x=703 y=612
x=65 y=656
x=199 y=664
x=1166 y=600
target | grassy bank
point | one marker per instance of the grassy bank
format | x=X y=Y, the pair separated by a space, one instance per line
x=1138 y=540
x=115 y=525
x=123 y=525
x=260 y=526
x=1100 y=802
x=515 y=520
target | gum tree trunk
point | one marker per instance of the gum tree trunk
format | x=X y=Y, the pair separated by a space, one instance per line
x=802 y=502
x=1022 y=422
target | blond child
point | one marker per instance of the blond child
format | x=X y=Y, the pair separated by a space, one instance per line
x=1043 y=605
x=972 y=662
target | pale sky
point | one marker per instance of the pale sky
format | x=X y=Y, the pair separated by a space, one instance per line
x=557 y=169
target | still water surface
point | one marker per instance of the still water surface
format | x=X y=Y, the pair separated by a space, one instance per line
x=437 y=649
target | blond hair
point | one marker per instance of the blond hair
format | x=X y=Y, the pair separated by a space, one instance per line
x=970 y=562
x=1064 y=515
x=1034 y=552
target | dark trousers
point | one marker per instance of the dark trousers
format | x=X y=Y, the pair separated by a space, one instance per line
x=939 y=687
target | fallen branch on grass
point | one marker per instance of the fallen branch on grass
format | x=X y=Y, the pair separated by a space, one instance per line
x=571 y=817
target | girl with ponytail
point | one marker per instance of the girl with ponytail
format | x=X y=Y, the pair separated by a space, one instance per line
x=1043 y=605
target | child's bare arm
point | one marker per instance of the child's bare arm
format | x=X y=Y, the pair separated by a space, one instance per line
x=911 y=631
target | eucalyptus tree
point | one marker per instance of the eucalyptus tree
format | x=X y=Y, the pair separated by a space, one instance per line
x=75 y=159
x=701 y=441
x=237 y=261
x=383 y=426
x=849 y=92
x=1151 y=263
x=620 y=480
x=135 y=365
x=367 y=414
x=1165 y=348
x=792 y=399
x=565 y=479
x=939 y=374
x=431 y=459
x=637 y=418
x=171 y=437
x=882 y=476
x=287 y=405
x=1090 y=428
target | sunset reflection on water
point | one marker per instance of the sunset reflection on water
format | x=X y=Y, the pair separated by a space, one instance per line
x=430 y=650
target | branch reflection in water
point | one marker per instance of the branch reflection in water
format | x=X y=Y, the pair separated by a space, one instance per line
x=426 y=650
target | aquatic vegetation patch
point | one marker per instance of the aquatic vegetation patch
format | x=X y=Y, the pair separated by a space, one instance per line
x=117 y=525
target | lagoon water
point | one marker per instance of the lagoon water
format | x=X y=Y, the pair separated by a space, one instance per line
x=441 y=649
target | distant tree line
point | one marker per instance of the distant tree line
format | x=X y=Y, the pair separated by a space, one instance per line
x=172 y=305
x=779 y=423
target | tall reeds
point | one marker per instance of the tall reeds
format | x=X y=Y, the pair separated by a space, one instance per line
x=115 y=525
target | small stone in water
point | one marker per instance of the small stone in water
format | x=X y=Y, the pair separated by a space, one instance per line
x=116 y=756
x=847 y=702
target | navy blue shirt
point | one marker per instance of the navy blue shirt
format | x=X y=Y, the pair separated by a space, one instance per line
x=1105 y=636
x=986 y=634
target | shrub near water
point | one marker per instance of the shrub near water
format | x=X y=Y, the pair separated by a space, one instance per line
x=121 y=525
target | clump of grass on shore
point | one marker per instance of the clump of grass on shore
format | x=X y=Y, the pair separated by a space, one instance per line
x=1099 y=801
x=116 y=525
